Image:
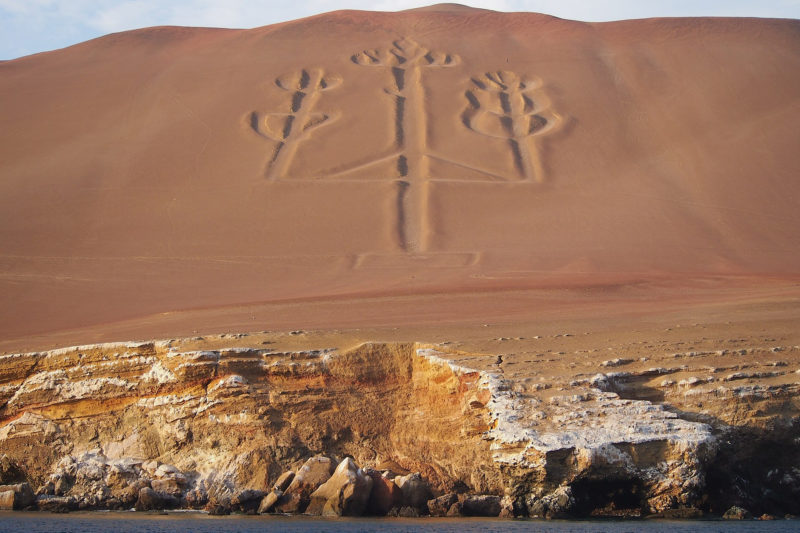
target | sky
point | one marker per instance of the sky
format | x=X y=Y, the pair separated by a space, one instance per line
x=31 y=26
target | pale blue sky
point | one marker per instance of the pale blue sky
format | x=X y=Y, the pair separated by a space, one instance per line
x=30 y=26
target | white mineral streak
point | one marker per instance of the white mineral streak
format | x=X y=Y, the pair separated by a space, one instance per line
x=28 y=424
x=231 y=382
x=159 y=373
x=8 y=357
x=587 y=423
x=106 y=347
x=166 y=399
x=203 y=355
x=65 y=388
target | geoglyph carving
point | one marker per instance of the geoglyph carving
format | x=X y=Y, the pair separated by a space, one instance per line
x=406 y=61
x=505 y=106
x=502 y=105
x=291 y=128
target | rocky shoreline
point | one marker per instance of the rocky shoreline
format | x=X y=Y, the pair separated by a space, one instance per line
x=319 y=488
x=385 y=430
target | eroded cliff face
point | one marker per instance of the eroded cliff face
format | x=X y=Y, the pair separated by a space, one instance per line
x=230 y=419
x=101 y=422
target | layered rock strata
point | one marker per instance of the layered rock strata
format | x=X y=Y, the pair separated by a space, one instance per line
x=413 y=429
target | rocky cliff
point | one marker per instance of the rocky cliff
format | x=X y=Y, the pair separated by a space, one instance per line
x=103 y=426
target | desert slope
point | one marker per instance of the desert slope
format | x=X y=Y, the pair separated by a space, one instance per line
x=157 y=170
x=507 y=263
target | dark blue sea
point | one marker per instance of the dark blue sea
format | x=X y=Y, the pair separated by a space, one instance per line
x=199 y=523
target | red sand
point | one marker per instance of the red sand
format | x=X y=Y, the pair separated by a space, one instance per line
x=614 y=169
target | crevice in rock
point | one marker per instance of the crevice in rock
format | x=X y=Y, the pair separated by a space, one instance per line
x=608 y=497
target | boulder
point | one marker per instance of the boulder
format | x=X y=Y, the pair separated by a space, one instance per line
x=247 y=500
x=167 y=471
x=269 y=501
x=25 y=495
x=557 y=504
x=56 y=504
x=166 y=486
x=126 y=497
x=307 y=479
x=346 y=493
x=6 y=500
x=22 y=496
x=150 y=500
x=481 y=505
x=91 y=470
x=737 y=513
x=439 y=506
x=246 y=497
x=384 y=496
x=512 y=508
x=196 y=498
x=416 y=491
x=62 y=485
x=283 y=481
x=455 y=510
x=48 y=489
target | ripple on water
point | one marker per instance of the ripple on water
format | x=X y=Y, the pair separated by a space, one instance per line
x=201 y=523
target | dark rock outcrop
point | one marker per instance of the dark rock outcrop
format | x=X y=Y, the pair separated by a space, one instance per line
x=385 y=494
x=17 y=496
x=439 y=506
x=737 y=513
x=57 y=504
x=416 y=491
x=557 y=504
x=151 y=500
x=247 y=501
x=268 y=502
x=481 y=505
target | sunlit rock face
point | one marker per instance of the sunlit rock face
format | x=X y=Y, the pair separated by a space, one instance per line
x=96 y=425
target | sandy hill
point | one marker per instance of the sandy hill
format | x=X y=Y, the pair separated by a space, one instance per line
x=412 y=166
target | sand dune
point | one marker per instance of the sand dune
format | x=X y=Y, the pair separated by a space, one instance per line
x=372 y=157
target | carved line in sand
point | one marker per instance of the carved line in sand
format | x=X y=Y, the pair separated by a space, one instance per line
x=289 y=129
x=405 y=62
x=501 y=105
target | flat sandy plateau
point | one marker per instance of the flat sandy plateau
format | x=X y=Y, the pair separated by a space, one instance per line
x=437 y=175
x=551 y=337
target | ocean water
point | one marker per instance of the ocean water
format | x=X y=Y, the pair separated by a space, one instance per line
x=199 y=523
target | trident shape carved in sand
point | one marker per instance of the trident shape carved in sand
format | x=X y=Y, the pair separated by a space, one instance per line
x=288 y=130
x=502 y=105
x=406 y=61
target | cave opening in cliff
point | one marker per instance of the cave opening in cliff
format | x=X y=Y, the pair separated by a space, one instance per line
x=608 y=497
